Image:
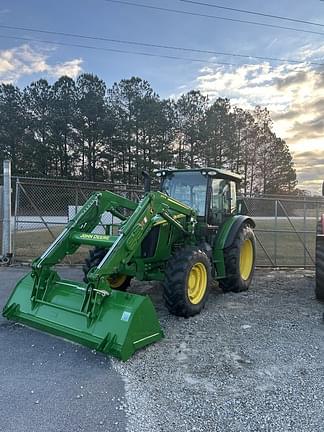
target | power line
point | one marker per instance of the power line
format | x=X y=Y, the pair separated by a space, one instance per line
x=120 y=51
x=280 y=17
x=202 y=15
x=151 y=45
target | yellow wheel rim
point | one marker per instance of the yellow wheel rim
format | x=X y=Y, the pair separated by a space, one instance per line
x=197 y=283
x=117 y=281
x=246 y=259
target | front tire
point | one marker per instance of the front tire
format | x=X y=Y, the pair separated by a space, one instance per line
x=187 y=281
x=239 y=261
x=319 y=264
x=117 y=282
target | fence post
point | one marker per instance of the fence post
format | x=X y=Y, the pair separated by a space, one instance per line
x=16 y=219
x=304 y=227
x=76 y=204
x=6 y=212
x=275 y=233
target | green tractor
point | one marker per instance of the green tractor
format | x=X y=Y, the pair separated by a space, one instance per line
x=186 y=235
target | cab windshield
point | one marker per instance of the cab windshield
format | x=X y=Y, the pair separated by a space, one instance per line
x=187 y=187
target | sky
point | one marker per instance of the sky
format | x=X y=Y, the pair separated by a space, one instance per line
x=293 y=92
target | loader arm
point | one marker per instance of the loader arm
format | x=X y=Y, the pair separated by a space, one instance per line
x=120 y=249
x=135 y=229
x=87 y=218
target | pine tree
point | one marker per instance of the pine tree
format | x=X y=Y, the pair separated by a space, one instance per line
x=92 y=124
x=12 y=126
x=191 y=109
x=38 y=99
x=62 y=120
x=80 y=129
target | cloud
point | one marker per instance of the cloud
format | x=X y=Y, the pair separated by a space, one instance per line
x=25 y=60
x=313 y=128
x=311 y=156
x=71 y=68
x=290 y=91
x=288 y=115
x=290 y=80
x=17 y=62
x=293 y=93
x=310 y=170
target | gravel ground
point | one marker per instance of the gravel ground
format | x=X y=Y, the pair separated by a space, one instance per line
x=250 y=362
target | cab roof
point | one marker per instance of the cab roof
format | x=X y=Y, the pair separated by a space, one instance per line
x=217 y=172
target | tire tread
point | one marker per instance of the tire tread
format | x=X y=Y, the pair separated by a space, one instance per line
x=174 y=284
x=233 y=282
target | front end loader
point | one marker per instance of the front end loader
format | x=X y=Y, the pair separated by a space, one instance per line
x=185 y=235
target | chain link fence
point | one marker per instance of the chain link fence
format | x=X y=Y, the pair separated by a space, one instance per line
x=285 y=227
x=1 y=211
x=44 y=206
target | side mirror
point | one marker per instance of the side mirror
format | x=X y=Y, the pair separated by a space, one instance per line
x=147 y=181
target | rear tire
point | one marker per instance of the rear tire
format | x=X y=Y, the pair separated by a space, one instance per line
x=117 y=282
x=319 y=264
x=187 y=281
x=239 y=261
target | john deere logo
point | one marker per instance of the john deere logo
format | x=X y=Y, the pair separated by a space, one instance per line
x=94 y=236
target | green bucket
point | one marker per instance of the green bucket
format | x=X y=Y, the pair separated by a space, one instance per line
x=123 y=323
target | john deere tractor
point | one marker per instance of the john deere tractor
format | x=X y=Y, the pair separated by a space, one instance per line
x=185 y=236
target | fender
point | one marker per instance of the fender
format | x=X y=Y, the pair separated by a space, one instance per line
x=225 y=238
x=229 y=229
x=238 y=222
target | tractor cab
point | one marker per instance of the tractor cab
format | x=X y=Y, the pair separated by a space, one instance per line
x=210 y=192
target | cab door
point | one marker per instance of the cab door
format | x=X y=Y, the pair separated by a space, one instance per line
x=223 y=200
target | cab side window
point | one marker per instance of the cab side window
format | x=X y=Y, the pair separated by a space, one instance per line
x=220 y=195
x=233 y=197
x=223 y=201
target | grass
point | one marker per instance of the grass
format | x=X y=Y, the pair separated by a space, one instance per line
x=31 y=244
x=285 y=245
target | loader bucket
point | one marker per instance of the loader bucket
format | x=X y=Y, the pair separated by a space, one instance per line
x=123 y=324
